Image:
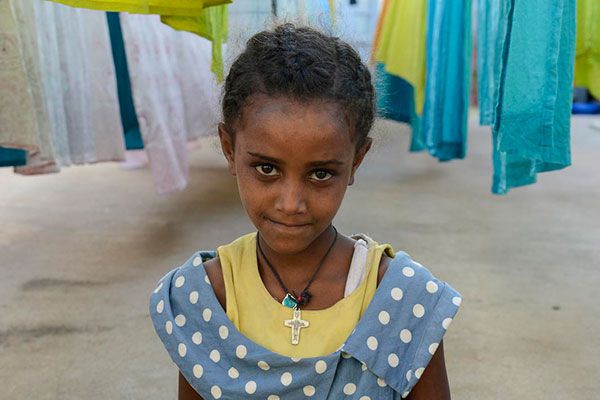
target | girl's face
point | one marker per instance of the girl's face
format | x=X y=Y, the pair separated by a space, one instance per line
x=293 y=162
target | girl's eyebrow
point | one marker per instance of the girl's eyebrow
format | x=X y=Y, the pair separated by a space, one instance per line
x=310 y=164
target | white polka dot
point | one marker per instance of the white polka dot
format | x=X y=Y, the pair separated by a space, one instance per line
x=418 y=310
x=263 y=365
x=408 y=374
x=194 y=297
x=381 y=382
x=241 y=351
x=320 y=366
x=456 y=300
x=207 y=314
x=405 y=335
x=197 y=261
x=273 y=397
x=393 y=360
x=223 y=332
x=179 y=281
x=233 y=373
x=169 y=327
x=397 y=294
x=250 y=387
x=419 y=372
x=206 y=279
x=180 y=320
x=372 y=343
x=198 y=370
x=160 y=306
x=363 y=367
x=408 y=271
x=405 y=394
x=446 y=323
x=160 y=285
x=182 y=349
x=197 y=338
x=346 y=355
x=433 y=347
x=349 y=388
x=384 y=317
x=309 y=390
x=295 y=359
x=215 y=355
x=286 y=379
x=432 y=287
x=364 y=398
x=216 y=392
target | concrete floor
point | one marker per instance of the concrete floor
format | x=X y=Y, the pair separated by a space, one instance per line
x=81 y=251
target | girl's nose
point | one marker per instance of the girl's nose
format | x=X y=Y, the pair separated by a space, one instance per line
x=291 y=199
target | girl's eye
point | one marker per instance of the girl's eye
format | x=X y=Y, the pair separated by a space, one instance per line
x=266 y=169
x=321 y=175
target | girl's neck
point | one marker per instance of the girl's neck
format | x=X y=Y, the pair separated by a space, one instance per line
x=300 y=265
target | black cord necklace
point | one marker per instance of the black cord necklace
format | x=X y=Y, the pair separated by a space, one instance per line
x=292 y=300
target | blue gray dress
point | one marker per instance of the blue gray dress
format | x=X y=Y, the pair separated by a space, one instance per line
x=383 y=358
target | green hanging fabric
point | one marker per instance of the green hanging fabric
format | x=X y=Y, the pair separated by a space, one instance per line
x=212 y=25
x=587 y=48
x=206 y=18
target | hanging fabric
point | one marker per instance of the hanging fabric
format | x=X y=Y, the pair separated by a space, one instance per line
x=163 y=7
x=447 y=91
x=211 y=24
x=587 y=62
x=207 y=18
x=531 y=131
x=81 y=94
x=24 y=120
x=174 y=93
x=400 y=58
x=491 y=32
x=131 y=126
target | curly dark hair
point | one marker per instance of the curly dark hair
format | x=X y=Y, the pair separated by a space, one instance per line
x=303 y=64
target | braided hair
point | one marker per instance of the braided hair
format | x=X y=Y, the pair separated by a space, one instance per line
x=303 y=64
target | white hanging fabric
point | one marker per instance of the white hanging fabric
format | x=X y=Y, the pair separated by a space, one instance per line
x=175 y=95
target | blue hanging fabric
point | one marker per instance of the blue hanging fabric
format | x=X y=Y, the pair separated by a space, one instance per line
x=531 y=130
x=396 y=101
x=490 y=40
x=448 y=78
x=131 y=127
x=12 y=157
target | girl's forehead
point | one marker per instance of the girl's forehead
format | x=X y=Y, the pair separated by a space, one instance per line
x=314 y=126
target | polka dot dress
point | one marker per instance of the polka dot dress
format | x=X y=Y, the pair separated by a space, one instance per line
x=382 y=359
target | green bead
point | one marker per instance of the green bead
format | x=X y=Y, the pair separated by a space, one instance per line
x=289 y=301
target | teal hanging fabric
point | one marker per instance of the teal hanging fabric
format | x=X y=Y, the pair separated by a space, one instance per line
x=131 y=127
x=531 y=131
x=12 y=157
x=396 y=101
x=490 y=40
x=448 y=78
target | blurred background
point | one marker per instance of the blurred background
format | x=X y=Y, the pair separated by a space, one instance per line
x=485 y=169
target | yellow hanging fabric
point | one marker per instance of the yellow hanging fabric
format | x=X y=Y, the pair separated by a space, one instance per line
x=206 y=18
x=401 y=46
x=163 y=7
x=212 y=25
x=587 y=50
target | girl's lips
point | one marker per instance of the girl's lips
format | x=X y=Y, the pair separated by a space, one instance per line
x=288 y=225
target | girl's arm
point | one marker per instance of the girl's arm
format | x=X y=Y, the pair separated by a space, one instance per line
x=215 y=275
x=186 y=392
x=433 y=384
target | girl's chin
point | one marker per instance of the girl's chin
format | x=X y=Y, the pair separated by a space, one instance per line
x=284 y=241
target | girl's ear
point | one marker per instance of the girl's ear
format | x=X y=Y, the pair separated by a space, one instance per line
x=227 y=146
x=359 y=157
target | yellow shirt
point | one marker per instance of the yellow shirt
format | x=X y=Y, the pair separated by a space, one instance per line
x=258 y=316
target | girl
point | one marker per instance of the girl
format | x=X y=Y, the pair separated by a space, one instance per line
x=298 y=310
